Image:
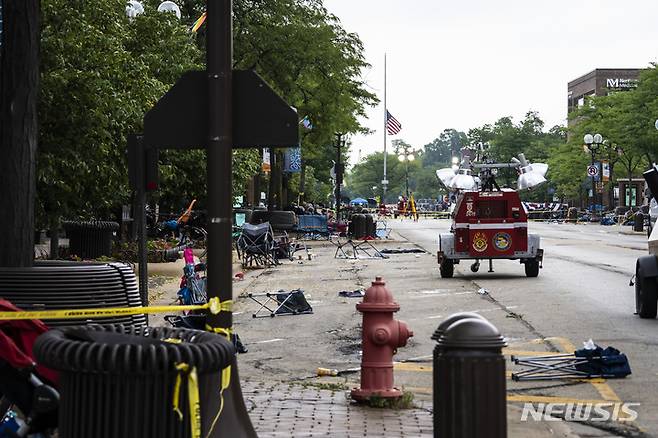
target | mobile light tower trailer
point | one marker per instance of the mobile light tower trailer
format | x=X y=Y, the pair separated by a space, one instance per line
x=489 y=222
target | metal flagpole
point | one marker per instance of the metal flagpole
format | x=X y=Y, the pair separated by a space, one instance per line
x=384 y=180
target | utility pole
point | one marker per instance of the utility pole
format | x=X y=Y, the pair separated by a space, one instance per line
x=219 y=64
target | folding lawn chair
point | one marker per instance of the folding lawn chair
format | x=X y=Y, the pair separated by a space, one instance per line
x=285 y=247
x=240 y=219
x=581 y=364
x=280 y=303
x=382 y=231
x=313 y=226
x=256 y=245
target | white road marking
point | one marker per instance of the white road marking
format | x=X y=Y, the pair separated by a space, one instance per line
x=268 y=341
x=427 y=294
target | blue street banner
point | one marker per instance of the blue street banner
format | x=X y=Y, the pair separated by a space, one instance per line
x=292 y=160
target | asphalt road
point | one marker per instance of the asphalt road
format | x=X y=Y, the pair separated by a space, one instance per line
x=582 y=292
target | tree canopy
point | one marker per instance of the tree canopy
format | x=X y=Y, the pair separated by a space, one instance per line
x=101 y=71
x=499 y=141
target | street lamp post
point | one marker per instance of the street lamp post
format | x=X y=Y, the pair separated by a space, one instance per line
x=592 y=143
x=406 y=156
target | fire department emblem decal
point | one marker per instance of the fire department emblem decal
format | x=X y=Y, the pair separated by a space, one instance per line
x=502 y=241
x=480 y=242
x=469 y=209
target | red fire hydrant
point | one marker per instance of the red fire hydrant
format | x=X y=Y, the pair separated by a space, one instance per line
x=382 y=335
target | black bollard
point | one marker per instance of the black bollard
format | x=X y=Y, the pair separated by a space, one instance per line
x=448 y=322
x=469 y=380
x=438 y=350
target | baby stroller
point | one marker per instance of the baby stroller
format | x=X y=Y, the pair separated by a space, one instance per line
x=193 y=291
x=24 y=385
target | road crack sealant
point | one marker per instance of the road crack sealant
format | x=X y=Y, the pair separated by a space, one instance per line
x=532 y=329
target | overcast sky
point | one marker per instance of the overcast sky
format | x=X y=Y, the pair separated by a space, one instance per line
x=463 y=63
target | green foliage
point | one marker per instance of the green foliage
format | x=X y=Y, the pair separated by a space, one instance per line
x=505 y=139
x=100 y=73
x=316 y=190
x=440 y=151
x=368 y=174
x=406 y=401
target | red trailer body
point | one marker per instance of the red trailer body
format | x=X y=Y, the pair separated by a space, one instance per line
x=489 y=225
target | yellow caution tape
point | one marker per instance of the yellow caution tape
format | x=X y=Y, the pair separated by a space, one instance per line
x=192 y=395
x=226 y=374
x=214 y=305
x=227 y=332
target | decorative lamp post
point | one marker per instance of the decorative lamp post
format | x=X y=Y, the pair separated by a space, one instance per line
x=592 y=144
x=169 y=6
x=133 y=9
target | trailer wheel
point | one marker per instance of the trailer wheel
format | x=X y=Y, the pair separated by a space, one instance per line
x=646 y=295
x=531 y=268
x=447 y=268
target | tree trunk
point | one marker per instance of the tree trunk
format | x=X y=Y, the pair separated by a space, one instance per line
x=54 y=242
x=19 y=81
x=272 y=181
x=285 y=202
x=302 y=183
x=279 y=181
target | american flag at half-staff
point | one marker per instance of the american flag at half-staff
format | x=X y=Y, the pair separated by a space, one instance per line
x=392 y=125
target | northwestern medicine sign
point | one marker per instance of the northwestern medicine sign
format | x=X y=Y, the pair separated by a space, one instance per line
x=620 y=84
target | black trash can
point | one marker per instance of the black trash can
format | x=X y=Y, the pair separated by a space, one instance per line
x=90 y=240
x=357 y=227
x=371 y=226
x=469 y=381
x=638 y=221
x=118 y=382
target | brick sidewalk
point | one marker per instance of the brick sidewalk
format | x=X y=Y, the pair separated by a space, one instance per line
x=282 y=409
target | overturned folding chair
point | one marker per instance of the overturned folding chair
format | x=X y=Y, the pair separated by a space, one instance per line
x=582 y=364
x=280 y=303
x=354 y=249
x=256 y=245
